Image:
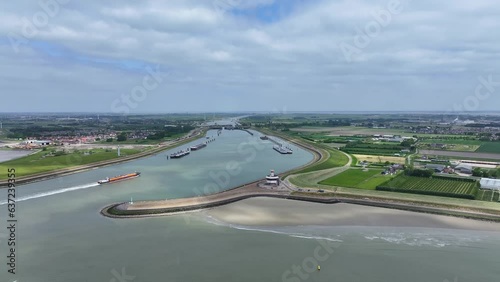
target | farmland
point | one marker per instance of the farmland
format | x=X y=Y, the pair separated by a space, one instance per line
x=465 y=145
x=489 y=147
x=438 y=186
x=380 y=159
x=465 y=155
x=373 y=149
x=357 y=178
x=488 y=195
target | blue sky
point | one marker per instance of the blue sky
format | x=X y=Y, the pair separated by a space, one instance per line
x=244 y=55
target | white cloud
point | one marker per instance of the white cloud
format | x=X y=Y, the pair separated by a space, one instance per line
x=430 y=48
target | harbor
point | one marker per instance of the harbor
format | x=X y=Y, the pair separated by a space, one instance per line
x=279 y=147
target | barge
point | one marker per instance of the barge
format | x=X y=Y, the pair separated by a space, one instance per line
x=282 y=150
x=180 y=154
x=119 y=178
x=198 y=147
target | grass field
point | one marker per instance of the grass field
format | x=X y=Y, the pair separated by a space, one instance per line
x=452 y=141
x=380 y=159
x=336 y=159
x=452 y=187
x=381 y=149
x=42 y=162
x=357 y=178
x=488 y=195
x=489 y=147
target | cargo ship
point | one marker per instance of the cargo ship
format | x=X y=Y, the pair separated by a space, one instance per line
x=179 y=154
x=119 y=178
x=199 y=146
x=282 y=150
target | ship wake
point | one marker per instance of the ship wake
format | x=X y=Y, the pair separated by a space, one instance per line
x=51 y=193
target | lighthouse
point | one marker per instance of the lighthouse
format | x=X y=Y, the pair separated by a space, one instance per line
x=272 y=179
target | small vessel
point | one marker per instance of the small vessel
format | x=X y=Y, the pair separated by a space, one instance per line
x=119 y=178
x=180 y=154
x=264 y=138
x=199 y=146
x=282 y=150
x=272 y=178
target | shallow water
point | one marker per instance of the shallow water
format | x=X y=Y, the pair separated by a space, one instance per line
x=62 y=237
x=7 y=155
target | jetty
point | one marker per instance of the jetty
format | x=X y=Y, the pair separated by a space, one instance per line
x=166 y=207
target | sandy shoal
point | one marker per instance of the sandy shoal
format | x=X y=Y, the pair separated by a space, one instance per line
x=281 y=212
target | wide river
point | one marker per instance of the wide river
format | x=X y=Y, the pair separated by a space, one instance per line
x=61 y=236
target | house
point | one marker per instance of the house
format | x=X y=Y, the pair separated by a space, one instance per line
x=438 y=146
x=463 y=168
x=37 y=143
x=435 y=167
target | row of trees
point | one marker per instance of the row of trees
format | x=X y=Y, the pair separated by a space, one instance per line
x=488 y=173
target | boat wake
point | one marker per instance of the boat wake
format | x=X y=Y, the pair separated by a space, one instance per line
x=287 y=231
x=54 y=192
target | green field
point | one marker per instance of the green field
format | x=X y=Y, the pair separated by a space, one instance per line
x=379 y=149
x=489 y=147
x=357 y=178
x=43 y=162
x=449 y=187
x=452 y=141
x=488 y=195
x=336 y=159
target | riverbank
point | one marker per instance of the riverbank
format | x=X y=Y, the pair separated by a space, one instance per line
x=261 y=212
x=308 y=194
x=195 y=134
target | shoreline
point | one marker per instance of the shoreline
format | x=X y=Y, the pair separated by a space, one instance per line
x=144 y=209
x=273 y=212
x=68 y=171
x=176 y=206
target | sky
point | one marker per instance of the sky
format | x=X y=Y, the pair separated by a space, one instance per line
x=249 y=55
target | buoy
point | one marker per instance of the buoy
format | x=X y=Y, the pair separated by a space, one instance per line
x=319 y=268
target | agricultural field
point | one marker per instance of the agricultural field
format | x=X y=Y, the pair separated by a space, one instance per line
x=380 y=159
x=349 y=130
x=452 y=141
x=489 y=147
x=357 y=178
x=462 y=155
x=488 y=195
x=374 y=149
x=438 y=186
